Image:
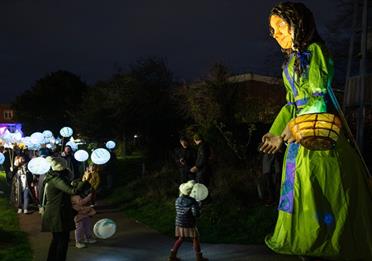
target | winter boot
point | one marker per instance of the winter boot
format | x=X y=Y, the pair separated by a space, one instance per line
x=173 y=256
x=199 y=257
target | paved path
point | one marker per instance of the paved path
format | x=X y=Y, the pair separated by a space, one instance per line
x=136 y=242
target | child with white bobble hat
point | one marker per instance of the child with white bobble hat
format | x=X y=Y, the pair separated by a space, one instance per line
x=187 y=210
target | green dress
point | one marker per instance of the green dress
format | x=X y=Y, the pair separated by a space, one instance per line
x=325 y=208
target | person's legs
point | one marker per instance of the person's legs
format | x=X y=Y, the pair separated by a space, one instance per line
x=88 y=228
x=176 y=246
x=197 y=249
x=52 y=254
x=196 y=244
x=184 y=176
x=79 y=231
x=25 y=199
x=202 y=178
x=62 y=246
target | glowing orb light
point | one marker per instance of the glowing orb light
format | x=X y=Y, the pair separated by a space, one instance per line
x=2 y=130
x=17 y=136
x=100 y=156
x=104 y=228
x=37 y=138
x=38 y=166
x=2 y=158
x=34 y=146
x=7 y=137
x=66 y=132
x=110 y=144
x=81 y=155
x=48 y=134
x=27 y=141
x=199 y=192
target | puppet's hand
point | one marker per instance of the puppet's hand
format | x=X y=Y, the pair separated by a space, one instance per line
x=271 y=143
x=287 y=135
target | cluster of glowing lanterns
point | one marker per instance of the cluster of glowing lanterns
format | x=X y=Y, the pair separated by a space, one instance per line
x=39 y=165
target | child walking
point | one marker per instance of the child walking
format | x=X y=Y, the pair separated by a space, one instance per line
x=83 y=218
x=187 y=209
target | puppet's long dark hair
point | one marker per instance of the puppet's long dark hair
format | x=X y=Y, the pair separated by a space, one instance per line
x=301 y=20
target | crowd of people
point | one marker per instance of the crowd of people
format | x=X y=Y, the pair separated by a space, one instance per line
x=65 y=196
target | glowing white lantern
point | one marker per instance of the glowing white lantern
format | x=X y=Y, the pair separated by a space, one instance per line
x=66 y=132
x=199 y=192
x=73 y=145
x=52 y=140
x=17 y=136
x=37 y=138
x=100 y=156
x=81 y=155
x=27 y=141
x=104 y=228
x=2 y=158
x=34 y=147
x=47 y=134
x=110 y=144
x=38 y=166
x=7 y=137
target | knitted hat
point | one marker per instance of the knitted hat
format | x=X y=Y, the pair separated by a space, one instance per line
x=57 y=163
x=185 y=188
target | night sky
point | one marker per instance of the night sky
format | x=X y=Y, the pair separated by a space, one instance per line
x=93 y=38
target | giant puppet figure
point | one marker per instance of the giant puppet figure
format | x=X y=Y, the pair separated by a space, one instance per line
x=325 y=207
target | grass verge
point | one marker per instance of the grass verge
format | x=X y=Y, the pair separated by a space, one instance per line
x=233 y=215
x=14 y=244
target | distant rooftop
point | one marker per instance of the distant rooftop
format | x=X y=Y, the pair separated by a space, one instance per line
x=255 y=77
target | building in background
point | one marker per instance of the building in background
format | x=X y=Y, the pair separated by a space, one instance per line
x=7 y=119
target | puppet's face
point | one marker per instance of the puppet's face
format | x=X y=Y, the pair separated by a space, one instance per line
x=281 y=31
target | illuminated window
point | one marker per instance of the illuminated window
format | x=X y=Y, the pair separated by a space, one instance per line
x=8 y=115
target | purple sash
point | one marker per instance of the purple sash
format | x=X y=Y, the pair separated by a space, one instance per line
x=287 y=193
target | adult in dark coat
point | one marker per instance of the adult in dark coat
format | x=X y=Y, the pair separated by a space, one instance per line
x=185 y=160
x=58 y=216
x=202 y=166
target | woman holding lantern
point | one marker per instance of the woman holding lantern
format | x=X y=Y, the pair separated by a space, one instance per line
x=325 y=203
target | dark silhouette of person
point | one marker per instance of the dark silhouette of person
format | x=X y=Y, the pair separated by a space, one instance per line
x=202 y=167
x=185 y=159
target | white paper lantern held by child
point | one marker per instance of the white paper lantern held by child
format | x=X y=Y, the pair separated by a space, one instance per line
x=199 y=192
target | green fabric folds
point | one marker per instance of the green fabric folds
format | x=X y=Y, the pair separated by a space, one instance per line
x=332 y=209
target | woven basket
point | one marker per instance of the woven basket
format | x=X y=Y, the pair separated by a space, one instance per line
x=316 y=131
